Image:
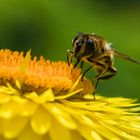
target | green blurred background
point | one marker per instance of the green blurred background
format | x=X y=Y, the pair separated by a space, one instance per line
x=48 y=26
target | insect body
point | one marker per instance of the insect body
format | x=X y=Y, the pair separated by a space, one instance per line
x=96 y=51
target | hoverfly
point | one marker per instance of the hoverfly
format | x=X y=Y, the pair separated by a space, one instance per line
x=96 y=51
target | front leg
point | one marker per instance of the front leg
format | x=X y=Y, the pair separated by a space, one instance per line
x=97 y=78
x=86 y=71
x=77 y=62
x=81 y=64
x=69 y=60
x=107 y=73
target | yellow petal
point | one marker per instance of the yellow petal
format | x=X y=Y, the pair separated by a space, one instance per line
x=1 y=126
x=84 y=119
x=68 y=94
x=5 y=89
x=104 y=132
x=12 y=127
x=28 y=108
x=41 y=121
x=2 y=138
x=19 y=99
x=88 y=133
x=4 y=98
x=29 y=134
x=9 y=109
x=45 y=96
x=78 y=114
x=59 y=132
x=31 y=95
x=125 y=134
x=75 y=135
x=129 y=132
x=25 y=63
x=75 y=84
x=46 y=137
x=61 y=115
x=17 y=83
x=12 y=89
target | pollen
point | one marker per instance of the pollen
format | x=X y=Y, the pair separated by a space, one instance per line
x=36 y=74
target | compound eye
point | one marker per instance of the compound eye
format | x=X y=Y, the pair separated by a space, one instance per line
x=90 y=46
x=90 y=43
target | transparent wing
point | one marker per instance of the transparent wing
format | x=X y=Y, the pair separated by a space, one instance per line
x=124 y=56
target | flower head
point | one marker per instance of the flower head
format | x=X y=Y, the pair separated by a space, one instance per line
x=43 y=100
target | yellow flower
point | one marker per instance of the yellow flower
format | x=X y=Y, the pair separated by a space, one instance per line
x=43 y=100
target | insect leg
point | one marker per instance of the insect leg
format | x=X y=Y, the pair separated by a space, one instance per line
x=98 y=77
x=69 y=60
x=81 y=64
x=85 y=72
x=77 y=62
x=107 y=73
